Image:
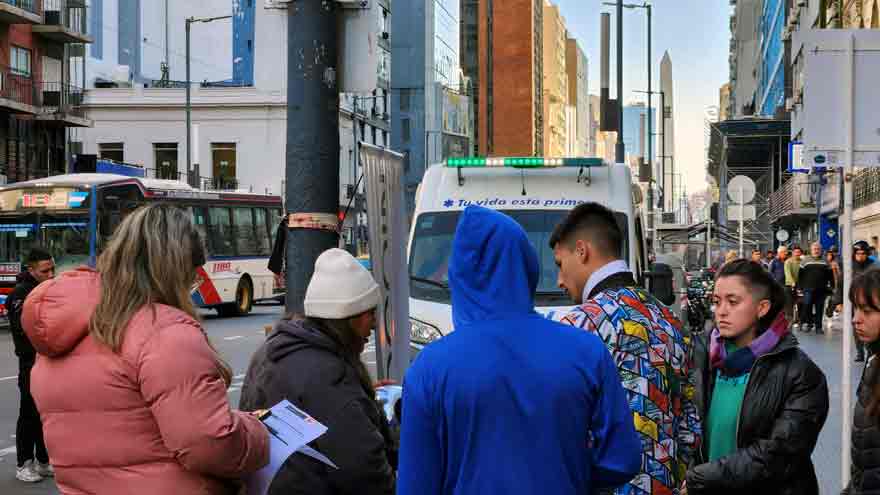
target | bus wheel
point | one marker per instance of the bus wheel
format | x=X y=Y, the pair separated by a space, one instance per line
x=244 y=300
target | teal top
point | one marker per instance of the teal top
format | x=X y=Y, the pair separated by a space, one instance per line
x=727 y=398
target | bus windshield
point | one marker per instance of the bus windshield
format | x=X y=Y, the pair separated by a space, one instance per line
x=432 y=245
x=65 y=236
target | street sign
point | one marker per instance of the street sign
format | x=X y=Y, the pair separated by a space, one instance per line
x=823 y=158
x=747 y=210
x=796 y=158
x=741 y=189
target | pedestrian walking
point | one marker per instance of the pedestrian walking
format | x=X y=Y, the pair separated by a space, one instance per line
x=831 y=258
x=30 y=448
x=865 y=296
x=757 y=256
x=771 y=255
x=766 y=401
x=132 y=394
x=815 y=280
x=730 y=256
x=792 y=270
x=777 y=267
x=313 y=360
x=644 y=338
x=510 y=402
x=860 y=265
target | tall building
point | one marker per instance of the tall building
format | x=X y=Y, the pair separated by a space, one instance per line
x=724 y=102
x=710 y=116
x=41 y=85
x=595 y=133
x=502 y=56
x=432 y=107
x=578 y=120
x=744 y=56
x=635 y=126
x=667 y=127
x=770 y=94
x=555 y=81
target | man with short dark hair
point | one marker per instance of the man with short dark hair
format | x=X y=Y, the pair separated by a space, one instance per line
x=644 y=338
x=33 y=460
x=757 y=257
x=815 y=279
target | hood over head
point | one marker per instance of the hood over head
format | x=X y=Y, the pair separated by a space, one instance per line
x=493 y=269
x=297 y=334
x=56 y=314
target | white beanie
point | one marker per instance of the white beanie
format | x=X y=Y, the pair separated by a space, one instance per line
x=340 y=287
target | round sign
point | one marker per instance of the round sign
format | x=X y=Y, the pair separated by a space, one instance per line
x=781 y=235
x=741 y=189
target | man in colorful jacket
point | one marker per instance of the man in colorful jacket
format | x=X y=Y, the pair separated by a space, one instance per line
x=645 y=339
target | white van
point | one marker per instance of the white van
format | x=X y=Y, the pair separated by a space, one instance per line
x=537 y=193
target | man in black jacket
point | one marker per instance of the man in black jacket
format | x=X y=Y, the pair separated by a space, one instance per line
x=33 y=460
x=815 y=278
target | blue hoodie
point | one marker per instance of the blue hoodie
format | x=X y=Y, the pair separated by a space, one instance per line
x=510 y=402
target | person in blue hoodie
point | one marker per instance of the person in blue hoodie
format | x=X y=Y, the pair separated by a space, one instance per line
x=510 y=402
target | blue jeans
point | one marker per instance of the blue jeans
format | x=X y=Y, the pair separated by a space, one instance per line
x=813 y=307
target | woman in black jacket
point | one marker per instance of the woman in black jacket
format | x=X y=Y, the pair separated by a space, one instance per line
x=865 y=296
x=764 y=400
x=314 y=362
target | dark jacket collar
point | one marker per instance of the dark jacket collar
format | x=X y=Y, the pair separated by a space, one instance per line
x=617 y=281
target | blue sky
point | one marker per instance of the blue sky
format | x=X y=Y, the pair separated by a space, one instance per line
x=695 y=32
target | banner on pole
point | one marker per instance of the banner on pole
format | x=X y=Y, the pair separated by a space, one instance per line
x=383 y=176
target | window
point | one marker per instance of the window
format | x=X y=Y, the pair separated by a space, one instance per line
x=223 y=155
x=245 y=235
x=200 y=220
x=274 y=221
x=263 y=232
x=220 y=233
x=112 y=151
x=166 y=160
x=20 y=60
x=405 y=132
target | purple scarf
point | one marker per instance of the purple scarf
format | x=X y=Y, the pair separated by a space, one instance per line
x=740 y=362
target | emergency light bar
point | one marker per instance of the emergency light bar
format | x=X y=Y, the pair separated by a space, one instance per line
x=523 y=162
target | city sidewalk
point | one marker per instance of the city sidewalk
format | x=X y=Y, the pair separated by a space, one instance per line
x=826 y=350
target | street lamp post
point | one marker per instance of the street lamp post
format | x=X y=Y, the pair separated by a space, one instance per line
x=189 y=22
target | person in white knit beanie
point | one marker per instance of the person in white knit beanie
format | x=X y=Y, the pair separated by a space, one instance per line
x=313 y=360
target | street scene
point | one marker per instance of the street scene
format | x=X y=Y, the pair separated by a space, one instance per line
x=339 y=246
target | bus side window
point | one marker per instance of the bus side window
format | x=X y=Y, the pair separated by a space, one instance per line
x=220 y=235
x=264 y=232
x=200 y=220
x=245 y=236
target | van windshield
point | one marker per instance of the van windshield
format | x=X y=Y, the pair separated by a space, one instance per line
x=432 y=246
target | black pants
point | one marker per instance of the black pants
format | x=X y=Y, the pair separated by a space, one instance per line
x=813 y=308
x=29 y=430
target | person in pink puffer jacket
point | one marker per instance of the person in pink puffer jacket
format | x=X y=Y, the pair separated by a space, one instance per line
x=131 y=393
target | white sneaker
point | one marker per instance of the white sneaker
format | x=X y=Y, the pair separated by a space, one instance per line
x=28 y=473
x=44 y=470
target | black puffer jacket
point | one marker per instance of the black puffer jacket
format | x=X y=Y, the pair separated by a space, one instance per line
x=301 y=363
x=865 y=478
x=783 y=410
x=14 y=306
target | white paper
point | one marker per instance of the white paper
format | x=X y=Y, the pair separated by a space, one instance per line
x=290 y=429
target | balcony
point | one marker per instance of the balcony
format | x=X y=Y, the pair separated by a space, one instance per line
x=18 y=92
x=793 y=200
x=20 y=12
x=64 y=21
x=866 y=187
x=62 y=105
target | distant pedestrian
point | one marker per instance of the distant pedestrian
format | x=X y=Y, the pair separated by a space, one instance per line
x=30 y=448
x=815 y=280
x=730 y=256
x=314 y=360
x=831 y=259
x=860 y=265
x=132 y=394
x=647 y=342
x=792 y=270
x=766 y=400
x=865 y=296
x=771 y=255
x=757 y=256
x=510 y=402
x=777 y=268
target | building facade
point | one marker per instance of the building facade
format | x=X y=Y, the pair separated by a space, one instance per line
x=555 y=76
x=41 y=52
x=744 y=55
x=432 y=107
x=578 y=120
x=770 y=92
x=506 y=72
x=239 y=99
x=724 y=102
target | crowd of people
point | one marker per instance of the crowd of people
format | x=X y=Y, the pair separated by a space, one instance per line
x=122 y=391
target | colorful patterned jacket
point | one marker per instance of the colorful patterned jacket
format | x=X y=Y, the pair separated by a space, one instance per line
x=654 y=359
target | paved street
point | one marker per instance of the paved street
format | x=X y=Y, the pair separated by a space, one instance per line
x=237 y=338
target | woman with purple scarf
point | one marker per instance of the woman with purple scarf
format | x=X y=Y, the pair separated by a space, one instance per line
x=764 y=400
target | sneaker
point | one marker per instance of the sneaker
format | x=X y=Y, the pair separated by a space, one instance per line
x=44 y=470
x=28 y=473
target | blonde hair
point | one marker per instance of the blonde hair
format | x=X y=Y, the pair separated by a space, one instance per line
x=150 y=260
x=731 y=255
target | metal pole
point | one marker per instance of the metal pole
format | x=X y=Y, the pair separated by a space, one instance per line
x=621 y=147
x=663 y=151
x=742 y=220
x=709 y=239
x=357 y=158
x=189 y=22
x=312 y=156
x=651 y=118
x=846 y=418
x=167 y=49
